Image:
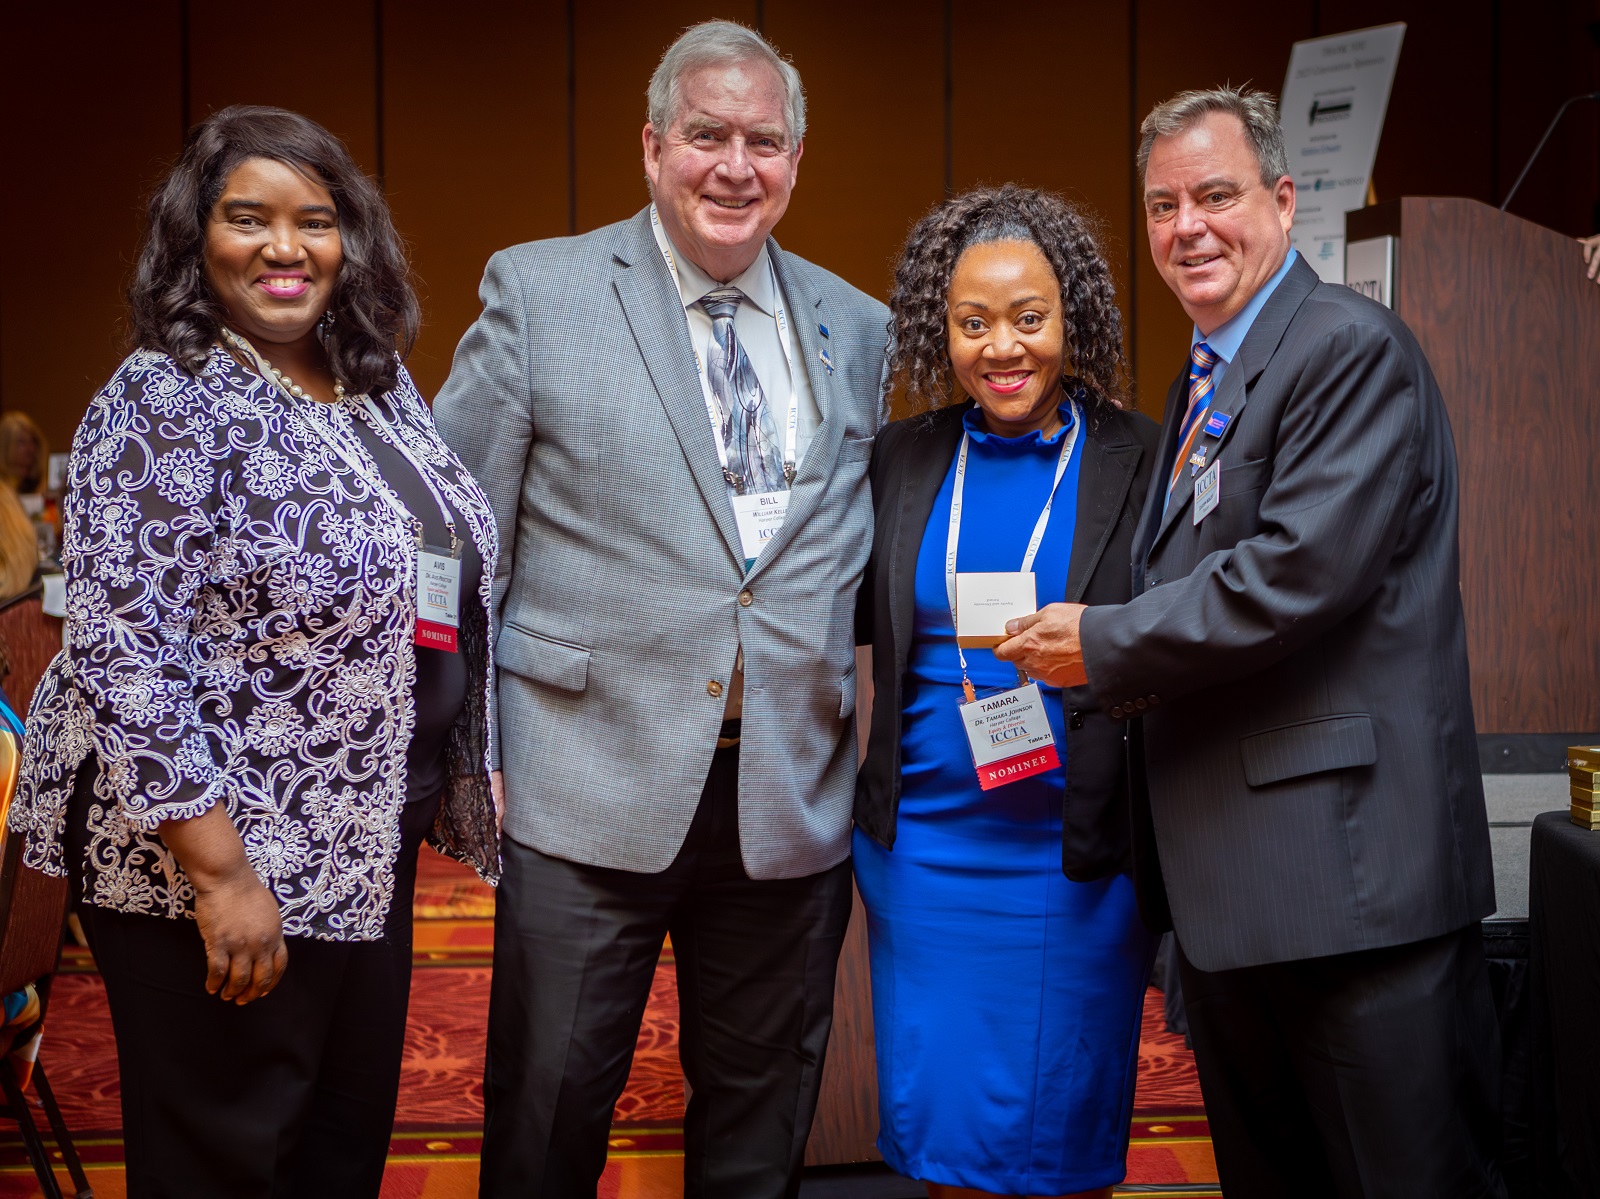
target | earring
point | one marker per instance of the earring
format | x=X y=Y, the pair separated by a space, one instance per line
x=324 y=325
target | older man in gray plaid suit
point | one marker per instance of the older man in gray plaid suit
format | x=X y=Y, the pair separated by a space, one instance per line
x=672 y=418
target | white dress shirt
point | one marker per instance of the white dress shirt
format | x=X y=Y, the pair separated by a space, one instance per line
x=756 y=326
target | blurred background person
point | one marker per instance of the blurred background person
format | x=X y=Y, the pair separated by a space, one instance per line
x=253 y=728
x=19 y=547
x=24 y=454
x=24 y=466
x=1007 y=996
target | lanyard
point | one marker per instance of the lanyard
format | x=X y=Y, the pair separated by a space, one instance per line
x=399 y=443
x=335 y=439
x=785 y=339
x=1069 y=438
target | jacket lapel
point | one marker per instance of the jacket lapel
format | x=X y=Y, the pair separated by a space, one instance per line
x=1107 y=463
x=805 y=310
x=1230 y=401
x=924 y=462
x=1266 y=331
x=654 y=311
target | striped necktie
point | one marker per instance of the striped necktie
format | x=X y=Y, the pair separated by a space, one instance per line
x=1202 y=361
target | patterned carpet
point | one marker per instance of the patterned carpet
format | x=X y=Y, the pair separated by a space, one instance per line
x=435 y=1148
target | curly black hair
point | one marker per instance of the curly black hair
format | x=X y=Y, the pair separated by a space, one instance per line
x=919 y=355
x=171 y=306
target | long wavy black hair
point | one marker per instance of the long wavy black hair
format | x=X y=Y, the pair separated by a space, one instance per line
x=919 y=356
x=172 y=307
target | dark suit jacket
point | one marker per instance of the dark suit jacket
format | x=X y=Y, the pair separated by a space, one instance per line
x=909 y=463
x=1299 y=657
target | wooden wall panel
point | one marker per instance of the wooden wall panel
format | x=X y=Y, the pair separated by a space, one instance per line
x=618 y=47
x=92 y=94
x=475 y=154
x=874 y=157
x=323 y=68
x=1075 y=139
x=1255 y=50
x=1518 y=380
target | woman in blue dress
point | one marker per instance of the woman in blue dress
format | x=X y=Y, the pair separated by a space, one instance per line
x=1008 y=961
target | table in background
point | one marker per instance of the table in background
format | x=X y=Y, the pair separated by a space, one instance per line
x=1564 y=964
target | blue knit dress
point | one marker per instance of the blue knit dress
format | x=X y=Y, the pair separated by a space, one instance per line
x=1006 y=999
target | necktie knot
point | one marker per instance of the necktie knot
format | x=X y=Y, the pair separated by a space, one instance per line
x=722 y=303
x=1202 y=361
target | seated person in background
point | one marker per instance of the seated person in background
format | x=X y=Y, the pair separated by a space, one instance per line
x=24 y=460
x=24 y=453
x=19 y=549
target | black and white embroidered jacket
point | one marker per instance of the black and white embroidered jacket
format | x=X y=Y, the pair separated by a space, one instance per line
x=240 y=613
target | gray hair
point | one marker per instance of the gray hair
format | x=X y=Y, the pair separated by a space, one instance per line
x=721 y=44
x=1257 y=112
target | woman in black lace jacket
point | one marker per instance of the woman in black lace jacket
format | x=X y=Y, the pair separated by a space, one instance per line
x=276 y=681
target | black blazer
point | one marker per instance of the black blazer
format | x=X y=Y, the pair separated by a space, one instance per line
x=909 y=463
x=1299 y=659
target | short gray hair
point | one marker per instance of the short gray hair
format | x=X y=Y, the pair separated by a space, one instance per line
x=1257 y=112
x=721 y=44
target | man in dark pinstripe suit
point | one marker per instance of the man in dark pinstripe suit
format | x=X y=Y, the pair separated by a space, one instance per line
x=1294 y=663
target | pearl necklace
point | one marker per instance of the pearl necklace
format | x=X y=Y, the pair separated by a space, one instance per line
x=284 y=381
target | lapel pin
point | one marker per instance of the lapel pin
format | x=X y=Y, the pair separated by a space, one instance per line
x=827 y=362
x=1197 y=461
x=1217 y=423
x=822 y=329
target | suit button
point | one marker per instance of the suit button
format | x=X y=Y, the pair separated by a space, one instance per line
x=1153 y=700
x=1141 y=704
x=746 y=598
x=713 y=688
x=1116 y=713
x=1075 y=721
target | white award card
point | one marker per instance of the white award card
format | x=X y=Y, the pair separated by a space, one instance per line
x=985 y=601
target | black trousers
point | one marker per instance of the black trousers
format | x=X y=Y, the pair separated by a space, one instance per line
x=288 y=1097
x=575 y=950
x=1356 y=1076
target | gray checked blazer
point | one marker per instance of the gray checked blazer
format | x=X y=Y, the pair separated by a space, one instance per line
x=1298 y=659
x=621 y=598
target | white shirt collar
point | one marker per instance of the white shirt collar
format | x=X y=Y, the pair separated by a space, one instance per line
x=755 y=281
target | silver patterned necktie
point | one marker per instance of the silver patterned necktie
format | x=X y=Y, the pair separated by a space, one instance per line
x=755 y=460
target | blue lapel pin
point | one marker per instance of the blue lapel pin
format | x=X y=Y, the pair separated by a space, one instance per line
x=1218 y=423
x=827 y=362
x=822 y=329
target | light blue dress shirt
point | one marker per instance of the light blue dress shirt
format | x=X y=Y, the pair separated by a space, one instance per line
x=1226 y=339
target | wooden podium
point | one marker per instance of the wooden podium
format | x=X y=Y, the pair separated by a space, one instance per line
x=1511 y=325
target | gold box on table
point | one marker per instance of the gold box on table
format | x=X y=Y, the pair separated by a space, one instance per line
x=1583 y=783
x=1583 y=758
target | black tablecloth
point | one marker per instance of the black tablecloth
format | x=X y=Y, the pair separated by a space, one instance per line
x=1564 y=968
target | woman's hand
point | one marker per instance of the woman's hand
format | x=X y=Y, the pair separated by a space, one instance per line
x=243 y=933
x=1591 y=255
x=497 y=788
x=237 y=916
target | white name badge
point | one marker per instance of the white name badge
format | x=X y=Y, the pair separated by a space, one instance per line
x=760 y=516
x=1009 y=733
x=438 y=600
x=986 y=600
x=1207 y=491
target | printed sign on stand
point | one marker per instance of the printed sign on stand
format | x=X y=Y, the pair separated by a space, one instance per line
x=1332 y=109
